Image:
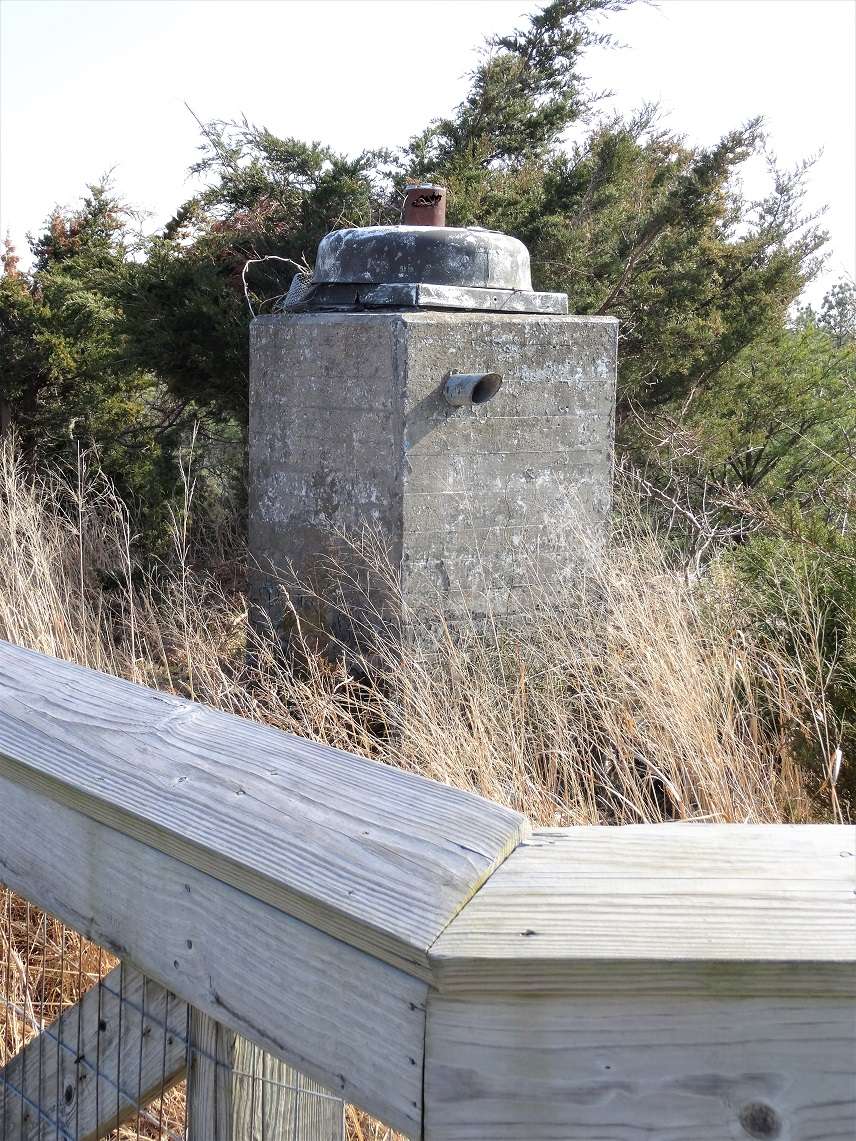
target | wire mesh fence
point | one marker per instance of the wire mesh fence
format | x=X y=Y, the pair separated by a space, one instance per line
x=91 y=1050
x=72 y=1017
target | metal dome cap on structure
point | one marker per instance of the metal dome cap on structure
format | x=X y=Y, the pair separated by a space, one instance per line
x=429 y=266
x=431 y=255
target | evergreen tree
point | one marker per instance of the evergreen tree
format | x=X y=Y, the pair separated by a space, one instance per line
x=838 y=314
x=186 y=310
x=127 y=346
x=66 y=379
x=629 y=221
x=777 y=431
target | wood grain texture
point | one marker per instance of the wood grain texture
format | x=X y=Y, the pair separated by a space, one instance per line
x=272 y=1100
x=210 y=1109
x=87 y=1081
x=237 y=1092
x=372 y=855
x=549 y=1068
x=680 y=908
x=343 y=1018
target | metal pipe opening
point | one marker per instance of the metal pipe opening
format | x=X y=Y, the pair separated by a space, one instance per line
x=462 y=388
x=424 y=205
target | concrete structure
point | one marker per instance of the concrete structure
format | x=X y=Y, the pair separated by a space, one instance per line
x=349 y=426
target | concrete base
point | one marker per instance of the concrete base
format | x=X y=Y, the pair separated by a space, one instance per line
x=349 y=427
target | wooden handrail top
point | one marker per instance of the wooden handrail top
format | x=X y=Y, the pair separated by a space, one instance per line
x=663 y=908
x=418 y=950
x=370 y=854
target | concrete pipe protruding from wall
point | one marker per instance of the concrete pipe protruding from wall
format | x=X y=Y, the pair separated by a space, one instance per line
x=463 y=388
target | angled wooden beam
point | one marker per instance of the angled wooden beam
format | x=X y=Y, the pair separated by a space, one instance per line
x=369 y=854
x=345 y=1019
x=107 y=1056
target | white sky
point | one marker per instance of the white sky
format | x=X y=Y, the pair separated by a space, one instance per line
x=86 y=85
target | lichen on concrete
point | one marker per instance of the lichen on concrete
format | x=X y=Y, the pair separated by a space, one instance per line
x=349 y=427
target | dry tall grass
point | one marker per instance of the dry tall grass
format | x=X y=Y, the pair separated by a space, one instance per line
x=623 y=694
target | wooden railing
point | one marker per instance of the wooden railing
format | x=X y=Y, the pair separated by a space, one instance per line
x=417 y=950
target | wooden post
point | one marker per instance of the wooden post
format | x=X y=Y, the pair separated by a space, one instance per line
x=209 y=1079
x=237 y=1092
x=682 y=980
x=273 y=1100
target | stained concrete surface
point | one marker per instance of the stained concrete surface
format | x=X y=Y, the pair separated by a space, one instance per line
x=349 y=428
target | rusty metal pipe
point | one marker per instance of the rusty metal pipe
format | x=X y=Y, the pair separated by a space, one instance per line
x=464 y=389
x=424 y=206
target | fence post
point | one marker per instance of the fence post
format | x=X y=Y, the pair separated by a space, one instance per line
x=272 y=1100
x=209 y=1079
x=237 y=1092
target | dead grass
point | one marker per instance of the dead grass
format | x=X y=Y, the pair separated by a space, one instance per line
x=622 y=694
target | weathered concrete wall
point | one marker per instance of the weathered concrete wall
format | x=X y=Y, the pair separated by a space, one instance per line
x=348 y=425
x=325 y=439
x=503 y=490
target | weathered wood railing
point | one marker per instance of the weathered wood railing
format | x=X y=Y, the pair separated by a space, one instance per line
x=419 y=950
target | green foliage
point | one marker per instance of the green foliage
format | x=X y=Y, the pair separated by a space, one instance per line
x=61 y=367
x=186 y=312
x=523 y=96
x=798 y=588
x=629 y=220
x=662 y=240
x=739 y=423
x=185 y=320
x=838 y=315
x=775 y=429
x=781 y=419
x=69 y=382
